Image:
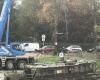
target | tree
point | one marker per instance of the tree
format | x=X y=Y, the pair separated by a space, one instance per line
x=35 y=17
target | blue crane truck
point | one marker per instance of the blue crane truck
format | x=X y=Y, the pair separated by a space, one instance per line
x=11 y=56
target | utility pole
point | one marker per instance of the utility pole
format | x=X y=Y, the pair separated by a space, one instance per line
x=95 y=24
x=55 y=33
x=66 y=21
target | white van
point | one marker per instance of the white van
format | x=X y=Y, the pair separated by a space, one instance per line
x=30 y=47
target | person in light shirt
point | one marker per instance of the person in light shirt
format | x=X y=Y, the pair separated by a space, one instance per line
x=61 y=56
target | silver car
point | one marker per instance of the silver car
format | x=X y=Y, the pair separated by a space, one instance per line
x=74 y=48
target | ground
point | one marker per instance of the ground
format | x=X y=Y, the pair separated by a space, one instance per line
x=43 y=58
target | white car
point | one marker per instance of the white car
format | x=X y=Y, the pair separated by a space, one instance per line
x=74 y=48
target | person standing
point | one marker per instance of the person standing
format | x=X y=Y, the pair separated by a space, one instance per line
x=61 y=56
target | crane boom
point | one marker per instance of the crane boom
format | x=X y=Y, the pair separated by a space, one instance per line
x=4 y=16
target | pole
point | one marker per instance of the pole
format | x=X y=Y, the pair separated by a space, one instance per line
x=43 y=39
x=43 y=45
x=66 y=21
x=95 y=24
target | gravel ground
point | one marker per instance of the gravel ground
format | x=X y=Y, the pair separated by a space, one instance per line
x=83 y=55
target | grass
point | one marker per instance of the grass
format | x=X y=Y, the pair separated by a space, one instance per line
x=98 y=64
x=49 y=59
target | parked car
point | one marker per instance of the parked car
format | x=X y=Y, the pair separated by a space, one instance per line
x=47 y=48
x=74 y=48
x=91 y=50
x=96 y=48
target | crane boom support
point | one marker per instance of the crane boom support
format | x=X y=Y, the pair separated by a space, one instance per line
x=4 y=16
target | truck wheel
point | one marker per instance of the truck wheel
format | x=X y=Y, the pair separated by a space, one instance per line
x=21 y=64
x=10 y=64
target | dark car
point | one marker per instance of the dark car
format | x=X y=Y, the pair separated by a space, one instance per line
x=96 y=48
x=47 y=48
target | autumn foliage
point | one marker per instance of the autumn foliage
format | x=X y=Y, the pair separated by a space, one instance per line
x=74 y=18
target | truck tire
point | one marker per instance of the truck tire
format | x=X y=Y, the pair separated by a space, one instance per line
x=10 y=64
x=21 y=64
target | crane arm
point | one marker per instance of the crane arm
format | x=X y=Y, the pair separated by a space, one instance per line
x=4 y=16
